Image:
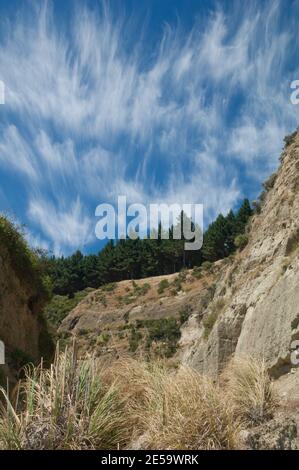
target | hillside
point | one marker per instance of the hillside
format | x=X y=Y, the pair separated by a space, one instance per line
x=139 y=318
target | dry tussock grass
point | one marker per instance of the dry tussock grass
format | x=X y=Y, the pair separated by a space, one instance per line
x=81 y=404
x=250 y=390
x=190 y=413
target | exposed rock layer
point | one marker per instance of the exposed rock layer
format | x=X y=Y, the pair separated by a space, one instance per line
x=261 y=288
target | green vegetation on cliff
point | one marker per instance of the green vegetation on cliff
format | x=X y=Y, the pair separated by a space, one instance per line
x=29 y=265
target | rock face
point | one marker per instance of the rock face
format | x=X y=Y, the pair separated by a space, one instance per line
x=260 y=289
x=278 y=434
x=19 y=324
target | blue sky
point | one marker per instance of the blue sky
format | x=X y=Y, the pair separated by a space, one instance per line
x=161 y=101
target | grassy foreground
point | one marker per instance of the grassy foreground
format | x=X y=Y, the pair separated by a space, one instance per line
x=79 y=404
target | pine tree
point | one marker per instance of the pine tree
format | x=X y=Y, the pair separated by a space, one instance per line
x=133 y=259
x=242 y=216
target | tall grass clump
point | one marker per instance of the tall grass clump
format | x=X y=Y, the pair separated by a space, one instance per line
x=174 y=409
x=64 y=407
x=140 y=384
x=82 y=404
x=250 y=390
x=190 y=413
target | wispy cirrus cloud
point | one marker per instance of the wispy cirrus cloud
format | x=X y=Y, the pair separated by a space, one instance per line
x=67 y=227
x=197 y=116
x=16 y=154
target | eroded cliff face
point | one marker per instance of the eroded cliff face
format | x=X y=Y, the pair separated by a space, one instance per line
x=20 y=326
x=258 y=294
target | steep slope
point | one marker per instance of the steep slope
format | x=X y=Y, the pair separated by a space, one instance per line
x=22 y=297
x=140 y=317
x=259 y=293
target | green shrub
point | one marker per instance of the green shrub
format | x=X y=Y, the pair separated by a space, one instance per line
x=103 y=338
x=109 y=287
x=206 y=265
x=183 y=272
x=83 y=332
x=135 y=338
x=178 y=281
x=241 y=241
x=290 y=139
x=142 y=289
x=165 y=330
x=182 y=275
x=164 y=284
x=127 y=299
x=197 y=272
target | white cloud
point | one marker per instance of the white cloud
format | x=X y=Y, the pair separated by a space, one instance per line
x=249 y=144
x=16 y=154
x=91 y=115
x=68 y=228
